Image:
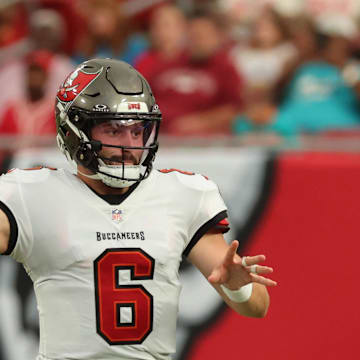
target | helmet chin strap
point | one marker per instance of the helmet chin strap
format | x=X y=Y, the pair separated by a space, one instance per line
x=128 y=171
x=109 y=171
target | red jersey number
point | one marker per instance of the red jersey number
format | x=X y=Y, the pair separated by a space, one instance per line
x=124 y=313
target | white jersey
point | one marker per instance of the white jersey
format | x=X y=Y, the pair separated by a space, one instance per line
x=106 y=276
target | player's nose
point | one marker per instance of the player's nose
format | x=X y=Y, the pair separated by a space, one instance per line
x=128 y=138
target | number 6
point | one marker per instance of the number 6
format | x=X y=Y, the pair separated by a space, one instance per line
x=110 y=296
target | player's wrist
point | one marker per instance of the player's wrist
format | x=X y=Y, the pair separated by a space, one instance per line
x=240 y=295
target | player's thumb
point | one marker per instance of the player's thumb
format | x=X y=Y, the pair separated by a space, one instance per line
x=214 y=277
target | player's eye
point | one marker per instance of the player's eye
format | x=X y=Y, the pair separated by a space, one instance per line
x=136 y=132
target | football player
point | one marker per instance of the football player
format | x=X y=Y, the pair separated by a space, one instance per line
x=103 y=245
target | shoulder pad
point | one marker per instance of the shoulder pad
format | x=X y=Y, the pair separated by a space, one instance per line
x=191 y=180
x=10 y=174
x=27 y=175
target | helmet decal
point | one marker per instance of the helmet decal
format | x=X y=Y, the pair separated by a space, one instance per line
x=74 y=84
x=136 y=107
x=101 y=108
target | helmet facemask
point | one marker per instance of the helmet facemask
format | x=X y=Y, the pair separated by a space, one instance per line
x=131 y=164
x=122 y=169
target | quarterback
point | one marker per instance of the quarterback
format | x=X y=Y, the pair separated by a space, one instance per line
x=103 y=245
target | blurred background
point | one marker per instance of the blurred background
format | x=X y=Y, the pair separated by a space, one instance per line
x=262 y=96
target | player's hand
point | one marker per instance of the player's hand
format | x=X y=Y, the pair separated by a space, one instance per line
x=233 y=274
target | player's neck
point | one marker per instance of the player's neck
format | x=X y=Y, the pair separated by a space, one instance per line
x=97 y=185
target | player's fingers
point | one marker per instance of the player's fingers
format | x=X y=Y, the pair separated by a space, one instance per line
x=259 y=269
x=253 y=260
x=262 y=280
x=229 y=257
x=215 y=277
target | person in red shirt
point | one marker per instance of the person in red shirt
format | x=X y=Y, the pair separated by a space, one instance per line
x=200 y=91
x=167 y=30
x=31 y=115
x=14 y=30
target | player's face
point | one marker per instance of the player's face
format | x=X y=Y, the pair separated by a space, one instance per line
x=120 y=133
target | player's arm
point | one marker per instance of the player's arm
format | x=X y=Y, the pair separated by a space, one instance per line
x=4 y=232
x=220 y=264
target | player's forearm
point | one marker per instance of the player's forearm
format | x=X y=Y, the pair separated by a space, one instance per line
x=257 y=306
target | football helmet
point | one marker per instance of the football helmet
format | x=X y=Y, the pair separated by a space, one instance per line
x=106 y=90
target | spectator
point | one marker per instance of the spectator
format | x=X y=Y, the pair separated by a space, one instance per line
x=168 y=39
x=262 y=58
x=13 y=30
x=200 y=94
x=69 y=14
x=46 y=32
x=33 y=114
x=322 y=91
x=109 y=34
x=261 y=106
x=306 y=40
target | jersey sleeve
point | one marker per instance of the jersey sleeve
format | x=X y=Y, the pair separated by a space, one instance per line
x=12 y=204
x=210 y=214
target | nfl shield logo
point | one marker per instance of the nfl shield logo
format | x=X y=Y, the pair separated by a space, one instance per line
x=116 y=215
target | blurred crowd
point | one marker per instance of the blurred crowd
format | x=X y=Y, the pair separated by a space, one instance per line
x=215 y=68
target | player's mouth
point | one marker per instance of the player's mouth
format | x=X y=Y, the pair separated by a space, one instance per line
x=127 y=159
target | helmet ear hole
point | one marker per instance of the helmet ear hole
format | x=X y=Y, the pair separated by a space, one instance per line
x=80 y=119
x=85 y=155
